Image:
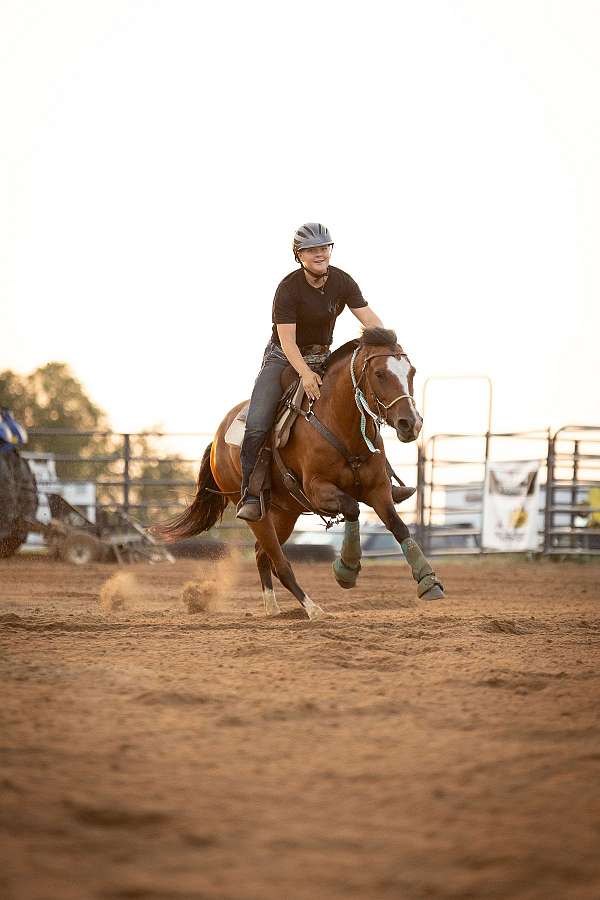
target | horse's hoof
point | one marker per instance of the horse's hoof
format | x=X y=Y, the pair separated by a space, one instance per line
x=434 y=593
x=344 y=575
x=313 y=610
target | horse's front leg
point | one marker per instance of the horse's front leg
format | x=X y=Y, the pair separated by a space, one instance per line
x=347 y=565
x=429 y=587
x=331 y=499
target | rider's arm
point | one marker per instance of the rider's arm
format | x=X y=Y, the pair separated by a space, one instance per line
x=310 y=379
x=287 y=336
x=367 y=317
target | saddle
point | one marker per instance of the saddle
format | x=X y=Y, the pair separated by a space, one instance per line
x=285 y=416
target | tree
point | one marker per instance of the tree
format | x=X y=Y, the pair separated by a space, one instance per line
x=51 y=397
x=149 y=471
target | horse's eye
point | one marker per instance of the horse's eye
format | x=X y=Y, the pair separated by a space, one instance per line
x=380 y=375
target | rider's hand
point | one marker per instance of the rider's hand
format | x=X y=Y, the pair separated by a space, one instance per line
x=310 y=383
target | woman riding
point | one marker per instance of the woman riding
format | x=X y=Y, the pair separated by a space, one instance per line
x=306 y=306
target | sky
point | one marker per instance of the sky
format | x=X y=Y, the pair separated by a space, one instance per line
x=156 y=158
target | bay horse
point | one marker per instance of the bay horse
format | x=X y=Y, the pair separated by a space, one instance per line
x=362 y=376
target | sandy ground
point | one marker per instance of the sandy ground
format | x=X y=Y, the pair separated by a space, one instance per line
x=396 y=749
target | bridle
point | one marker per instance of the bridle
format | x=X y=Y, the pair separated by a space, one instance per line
x=361 y=400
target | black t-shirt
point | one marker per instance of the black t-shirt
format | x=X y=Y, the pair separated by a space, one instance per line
x=314 y=312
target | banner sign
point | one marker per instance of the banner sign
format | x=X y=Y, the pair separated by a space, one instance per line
x=510 y=506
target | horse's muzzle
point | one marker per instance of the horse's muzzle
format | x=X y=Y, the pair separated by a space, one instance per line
x=408 y=430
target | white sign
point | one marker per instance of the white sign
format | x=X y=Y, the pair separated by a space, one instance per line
x=510 y=506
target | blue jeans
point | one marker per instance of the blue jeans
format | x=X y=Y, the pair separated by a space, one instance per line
x=266 y=394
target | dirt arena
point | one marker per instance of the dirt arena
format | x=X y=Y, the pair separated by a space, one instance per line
x=395 y=749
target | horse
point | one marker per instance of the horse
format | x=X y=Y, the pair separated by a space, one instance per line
x=336 y=456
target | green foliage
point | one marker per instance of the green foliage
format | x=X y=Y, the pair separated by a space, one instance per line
x=51 y=397
x=148 y=471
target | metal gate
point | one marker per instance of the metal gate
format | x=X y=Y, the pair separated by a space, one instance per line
x=451 y=476
x=572 y=508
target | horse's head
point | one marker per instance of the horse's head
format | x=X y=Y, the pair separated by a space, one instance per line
x=385 y=375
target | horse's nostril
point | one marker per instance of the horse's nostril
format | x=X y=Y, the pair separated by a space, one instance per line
x=404 y=425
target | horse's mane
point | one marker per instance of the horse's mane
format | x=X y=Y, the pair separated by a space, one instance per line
x=369 y=337
x=379 y=336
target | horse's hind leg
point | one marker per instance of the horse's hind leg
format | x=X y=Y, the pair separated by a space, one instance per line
x=267 y=537
x=263 y=564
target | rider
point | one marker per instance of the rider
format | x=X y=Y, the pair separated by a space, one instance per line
x=306 y=306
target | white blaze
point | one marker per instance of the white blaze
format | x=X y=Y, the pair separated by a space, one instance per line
x=401 y=368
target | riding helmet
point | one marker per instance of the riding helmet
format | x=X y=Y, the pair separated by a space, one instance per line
x=311 y=234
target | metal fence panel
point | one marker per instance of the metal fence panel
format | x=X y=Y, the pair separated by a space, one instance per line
x=152 y=476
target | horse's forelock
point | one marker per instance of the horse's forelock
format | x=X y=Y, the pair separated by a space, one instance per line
x=378 y=336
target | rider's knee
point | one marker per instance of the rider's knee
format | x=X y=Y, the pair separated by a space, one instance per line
x=255 y=435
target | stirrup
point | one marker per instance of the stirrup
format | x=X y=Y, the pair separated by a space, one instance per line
x=251 y=509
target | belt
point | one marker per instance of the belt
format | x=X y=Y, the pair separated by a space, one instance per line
x=312 y=349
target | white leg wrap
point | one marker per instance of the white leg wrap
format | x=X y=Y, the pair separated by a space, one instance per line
x=313 y=610
x=271 y=604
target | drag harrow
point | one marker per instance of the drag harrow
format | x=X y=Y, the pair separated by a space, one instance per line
x=115 y=537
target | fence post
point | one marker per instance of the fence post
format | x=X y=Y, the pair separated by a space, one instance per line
x=420 y=495
x=427 y=540
x=126 y=461
x=575 y=541
x=488 y=436
x=548 y=515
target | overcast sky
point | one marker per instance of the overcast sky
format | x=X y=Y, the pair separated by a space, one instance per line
x=156 y=158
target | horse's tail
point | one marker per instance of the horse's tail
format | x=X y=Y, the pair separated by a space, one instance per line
x=208 y=506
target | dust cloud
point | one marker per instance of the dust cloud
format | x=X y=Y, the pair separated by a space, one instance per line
x=210 y=590
x=119 y=592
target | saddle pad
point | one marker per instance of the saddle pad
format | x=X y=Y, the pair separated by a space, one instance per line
x=284 y=418
x=235 y=433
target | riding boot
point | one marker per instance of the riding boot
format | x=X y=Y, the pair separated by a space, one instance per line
x=401 y=492
x=250 y=508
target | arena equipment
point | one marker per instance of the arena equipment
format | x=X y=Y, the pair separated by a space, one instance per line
x=18 y=489
x=18 y=499
x=115 y=537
